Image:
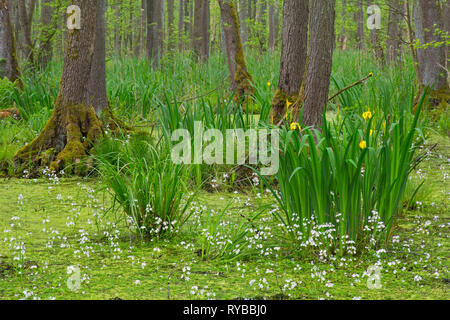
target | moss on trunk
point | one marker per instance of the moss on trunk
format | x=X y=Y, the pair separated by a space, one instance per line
x=279 y=105
x=66 y=139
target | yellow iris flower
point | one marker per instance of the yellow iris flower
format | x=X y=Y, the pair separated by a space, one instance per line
x=363 y=145
x=367 y=115
x=295 y=126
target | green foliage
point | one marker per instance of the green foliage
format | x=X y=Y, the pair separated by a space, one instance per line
x=6 y=92
x=149 y=188
x=226 y=240
x=349 y=180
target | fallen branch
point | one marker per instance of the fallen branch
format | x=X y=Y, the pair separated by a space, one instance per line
x=370 y=75
x=351 y=86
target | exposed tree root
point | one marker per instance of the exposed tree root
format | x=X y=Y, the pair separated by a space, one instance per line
x=112 y=123
x=66 y=139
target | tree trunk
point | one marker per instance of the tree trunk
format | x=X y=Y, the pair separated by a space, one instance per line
x=446 y=17
x=359 y=17
x=73 y=126
x=154 y=31
x=170 y=25
x=261 y=22
x=49 y=24
x=181 y=24
x=243 y=10
x=189 y=14
x=25 y=19
x=201 y=34
x=198 y=24
x=239 y=77
x=293 y=56
x=206 y=21
x=431 y=59
x=117 y=30
x=13 y=7
x=394 y=32
x=376 y=44
x=8 y=61
x=343 y=36
x=321 y=45
x=139 y=41
x=96 y=90
x=274 y=23
x=161 y=27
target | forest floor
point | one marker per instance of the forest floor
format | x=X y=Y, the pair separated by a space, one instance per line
x=49 y=225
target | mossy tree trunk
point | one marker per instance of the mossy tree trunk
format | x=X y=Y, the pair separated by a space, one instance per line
x=73 y=126
x=8 y=61
x=239 y=76
x=293 y=56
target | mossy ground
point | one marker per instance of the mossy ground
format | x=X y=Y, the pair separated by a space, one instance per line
x=49 y=224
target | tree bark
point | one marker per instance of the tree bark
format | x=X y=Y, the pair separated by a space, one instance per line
x=140 y=38
x=198 y=24
x=206 y=30
x=117 y=31
x=293 y=56
x=9 y=67
x=274 y=23
x=181 y=8
x=154 y=31
x=376 y=44
x=343 y=34
x=96 y=89
x=243 y=10
x=49 y=25
x=394 y=32
x=73 y=126
x=321 y=45
x=431 y=59
x=446 y=17
x=25 y=20
x=201 y=34
x=359 y=17
x=170 y=24
x=240 y=78
x=261 y=22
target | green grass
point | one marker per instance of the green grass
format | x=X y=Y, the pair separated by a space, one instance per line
x=50 y=224
x=76 y=232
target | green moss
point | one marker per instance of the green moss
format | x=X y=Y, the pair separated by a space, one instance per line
x=279 y=105
x=70 y=133
x=242 y=77
x=112 y=123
